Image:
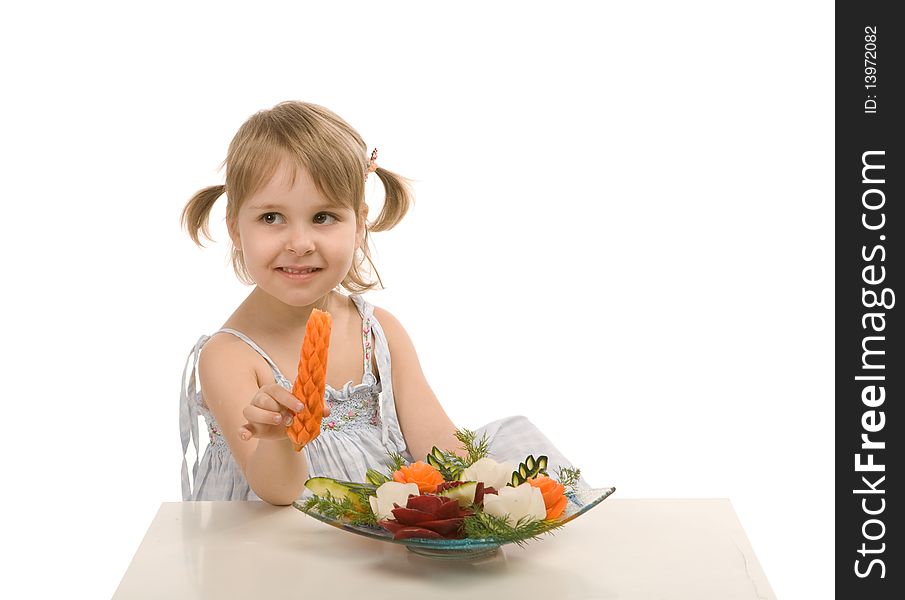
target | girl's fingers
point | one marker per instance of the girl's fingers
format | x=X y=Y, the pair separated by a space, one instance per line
x=264 y=398
x=256 y=414
x=282 y=397
x=276 y=397
x=246 y=432
x=288 y=400
x=272 y=406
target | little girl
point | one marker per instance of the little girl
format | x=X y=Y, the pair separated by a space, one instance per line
x=297 y=220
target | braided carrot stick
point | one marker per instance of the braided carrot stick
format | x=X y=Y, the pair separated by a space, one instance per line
x=311 y=382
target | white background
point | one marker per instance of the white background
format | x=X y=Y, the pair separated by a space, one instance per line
x=623 y=230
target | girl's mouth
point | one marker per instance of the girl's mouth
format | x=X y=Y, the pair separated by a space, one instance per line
x=299 y=274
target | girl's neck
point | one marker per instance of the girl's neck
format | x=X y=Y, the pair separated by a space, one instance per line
x=265 y=314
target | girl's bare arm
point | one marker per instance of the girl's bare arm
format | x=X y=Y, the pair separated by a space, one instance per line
x=273 y=469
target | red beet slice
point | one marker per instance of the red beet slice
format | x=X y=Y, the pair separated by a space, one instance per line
x=390 y=525
x=479 y=493
x=395 y=505
x=416 y=532
x=448 y=510
x=446 y=485
x=426 y=503
x=409 y=516
x=444 y=527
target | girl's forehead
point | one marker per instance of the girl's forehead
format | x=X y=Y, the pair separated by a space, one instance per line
x=287 y=178
x=290 y=185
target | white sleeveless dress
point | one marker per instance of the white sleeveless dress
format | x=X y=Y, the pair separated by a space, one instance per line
x=361 y=431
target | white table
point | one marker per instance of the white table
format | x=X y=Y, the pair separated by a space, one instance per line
x=623 y=548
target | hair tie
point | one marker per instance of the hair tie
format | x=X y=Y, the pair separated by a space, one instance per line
x=372 y=164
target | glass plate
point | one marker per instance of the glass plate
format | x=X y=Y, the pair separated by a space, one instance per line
x=469 y=548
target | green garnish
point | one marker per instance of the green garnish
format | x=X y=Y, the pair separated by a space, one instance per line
x=569 y=478
x=396 y=463
x=331 y=507
x=451 y=465
x=483 y=525
x=475 y=452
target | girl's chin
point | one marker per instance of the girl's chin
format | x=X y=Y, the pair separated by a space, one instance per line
x=297 y=296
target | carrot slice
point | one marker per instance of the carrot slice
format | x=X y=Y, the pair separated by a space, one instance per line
x=311 y=382
x=557 y=508
x=425 y=476
x=553 y=492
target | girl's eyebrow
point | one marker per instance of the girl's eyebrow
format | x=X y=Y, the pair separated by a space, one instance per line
x=270 y=206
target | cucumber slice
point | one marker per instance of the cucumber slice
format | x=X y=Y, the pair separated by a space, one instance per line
x=529 y=469
x=434 y=462
x=439 y=462
x=355 y=492
x=463 y=494
x=376 y=478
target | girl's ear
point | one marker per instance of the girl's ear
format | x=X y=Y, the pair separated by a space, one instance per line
x=233 y=232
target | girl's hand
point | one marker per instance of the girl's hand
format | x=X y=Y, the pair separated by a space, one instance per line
x=270 y=411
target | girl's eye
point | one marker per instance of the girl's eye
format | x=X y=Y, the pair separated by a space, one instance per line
x=271 y=218
x=317 y=218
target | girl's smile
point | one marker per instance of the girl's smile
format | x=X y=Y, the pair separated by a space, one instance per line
x=299 y=273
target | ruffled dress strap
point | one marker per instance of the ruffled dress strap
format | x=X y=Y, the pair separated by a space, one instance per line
x=366 y=310
x=188 y=415
x=391 y=434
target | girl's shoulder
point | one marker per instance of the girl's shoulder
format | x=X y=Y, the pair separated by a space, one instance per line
x=384 y=317
x=224 y=351
x=392 y=329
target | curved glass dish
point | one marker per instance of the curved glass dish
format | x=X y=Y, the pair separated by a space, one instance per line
x=468 y=548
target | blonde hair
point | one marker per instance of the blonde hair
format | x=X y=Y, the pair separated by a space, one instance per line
x=317 y=139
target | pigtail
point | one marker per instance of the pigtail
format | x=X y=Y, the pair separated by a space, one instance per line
x=398 y=200
x=196 y=214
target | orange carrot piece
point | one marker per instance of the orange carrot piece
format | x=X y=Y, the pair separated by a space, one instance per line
x=557 y=508
x=425 y=476
x=554 y=495
x=311 y=382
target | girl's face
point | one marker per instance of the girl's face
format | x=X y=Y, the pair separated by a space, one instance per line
x=282 y=230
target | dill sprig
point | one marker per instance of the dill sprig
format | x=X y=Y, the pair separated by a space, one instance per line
x=377 y=478
x=475 y=452
x=484 y=525
x=396 y=463
x=569 y=478
x=334 y=508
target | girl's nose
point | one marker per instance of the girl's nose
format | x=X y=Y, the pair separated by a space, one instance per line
x=300 y=242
